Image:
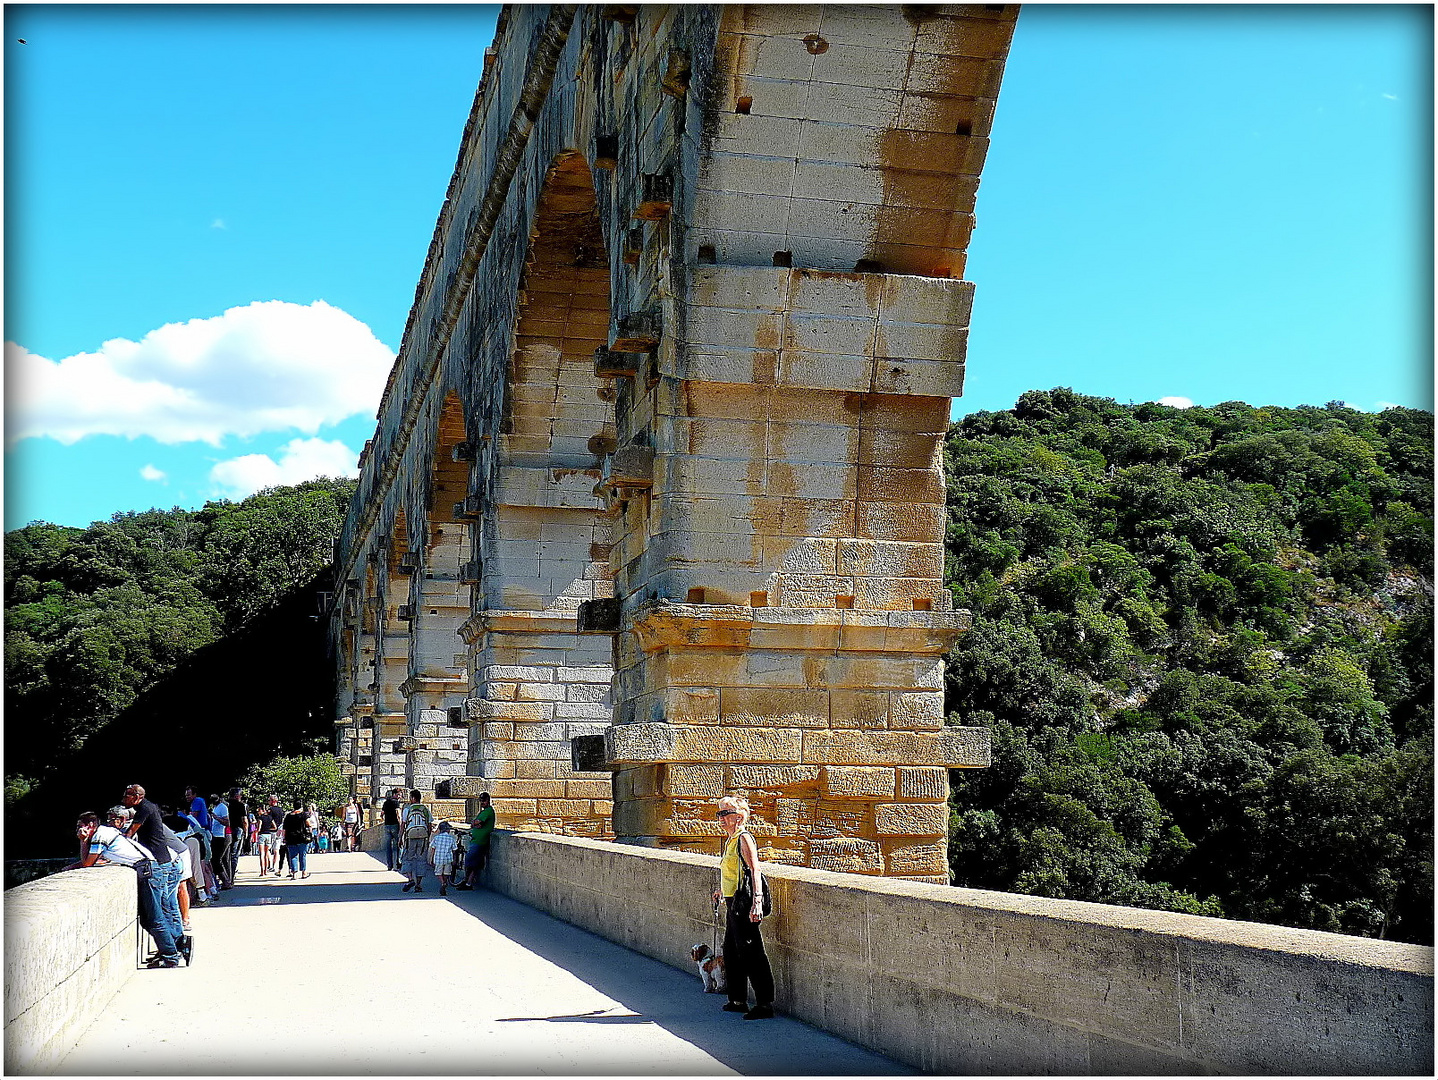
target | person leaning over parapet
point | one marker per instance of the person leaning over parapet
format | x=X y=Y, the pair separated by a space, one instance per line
x=477 y=854
x=108 y=844
x=164 y=846
x=745 y=894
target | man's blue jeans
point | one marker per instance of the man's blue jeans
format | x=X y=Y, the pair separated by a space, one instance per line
x=392 y=848
x=299 y=851
x=158 y=897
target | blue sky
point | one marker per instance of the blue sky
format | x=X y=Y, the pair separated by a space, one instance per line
x=1208 y=203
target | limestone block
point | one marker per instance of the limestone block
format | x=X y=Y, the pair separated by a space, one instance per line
x=772 y=777
x=750 y=174
x=701 y=781
x=823 y=819
x=508 y=811
x=911 y=819
x=587 y=789
x=879 y=483
x=546 y=691
x=691 y=705
x=926 y=301
x=640 y=743
x=905 y=858
x=763 y=707
x=887 y=559
x=594 y=693
x=537 y=768
x=565 y=807
x=581 y=710
x=531 y=711
x=900 y=521
x=806 y=369
x=547 y=732
x=923 y=782
x=922 y=378
x=533 y=789
x=586 y=674
x=917 y=711
x=858 y=782
x=896 y=594
x=966 y=747
x=810 y=480
x=867 y=709
x=716 y=207
x=873 y=748
x=846 y=856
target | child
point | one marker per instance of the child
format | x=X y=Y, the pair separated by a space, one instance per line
x=442 y=846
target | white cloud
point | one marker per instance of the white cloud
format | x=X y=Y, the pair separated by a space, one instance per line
x=299 y=459
x=149 y=472
x=1390 y=97
x=218 y=223
x=1176 y=402
x=271 y=366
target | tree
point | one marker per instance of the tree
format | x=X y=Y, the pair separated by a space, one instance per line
x=1203 y=641
x=316 y=778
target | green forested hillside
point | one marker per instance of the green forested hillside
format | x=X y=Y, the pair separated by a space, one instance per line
x=98 y=617
x=1203 y=640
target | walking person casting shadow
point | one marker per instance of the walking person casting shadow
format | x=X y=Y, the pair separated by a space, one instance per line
x=746 y=900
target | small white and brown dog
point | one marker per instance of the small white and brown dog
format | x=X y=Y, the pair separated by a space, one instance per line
x=711 y=969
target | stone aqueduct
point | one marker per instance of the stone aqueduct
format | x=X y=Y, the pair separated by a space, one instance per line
x=654 y=509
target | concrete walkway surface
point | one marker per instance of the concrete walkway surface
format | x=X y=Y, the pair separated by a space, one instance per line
x=344 y=974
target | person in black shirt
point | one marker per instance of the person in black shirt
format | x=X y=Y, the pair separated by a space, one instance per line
x=269 y=835
x=392 y=850
x=296 y=826
x=150 y=830
x=239 y=829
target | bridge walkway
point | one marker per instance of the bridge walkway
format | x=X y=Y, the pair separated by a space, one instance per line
x=345 y=974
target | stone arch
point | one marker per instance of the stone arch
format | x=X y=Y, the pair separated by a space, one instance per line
x=389 y=602
x=544 y=544
x=441 y=574
x=552 y=407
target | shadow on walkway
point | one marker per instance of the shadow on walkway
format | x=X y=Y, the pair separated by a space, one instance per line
x=472 y=983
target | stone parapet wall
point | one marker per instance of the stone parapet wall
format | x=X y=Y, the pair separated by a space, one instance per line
x=961 y=981
x=69 y=947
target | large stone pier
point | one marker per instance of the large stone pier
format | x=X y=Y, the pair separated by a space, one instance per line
x=654 y=510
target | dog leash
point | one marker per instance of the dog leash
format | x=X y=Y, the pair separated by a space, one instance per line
x=714 y=949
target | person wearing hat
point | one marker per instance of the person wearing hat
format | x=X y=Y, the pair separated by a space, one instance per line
x=477 y=853
x=442 y=846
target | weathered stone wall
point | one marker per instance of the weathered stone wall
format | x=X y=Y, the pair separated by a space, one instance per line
x=660 y=454
x=69 y=947
x=965 y=982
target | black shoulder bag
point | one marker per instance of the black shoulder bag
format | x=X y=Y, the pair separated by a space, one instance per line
x=744 y=894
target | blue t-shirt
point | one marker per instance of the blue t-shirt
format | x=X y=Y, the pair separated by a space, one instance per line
x=200 y=812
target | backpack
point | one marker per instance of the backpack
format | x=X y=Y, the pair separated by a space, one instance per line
x=416 y=823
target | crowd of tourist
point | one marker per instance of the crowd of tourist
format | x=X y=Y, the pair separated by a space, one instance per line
x=188 y=854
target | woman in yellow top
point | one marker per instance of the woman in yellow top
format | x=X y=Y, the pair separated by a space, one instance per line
x=744 y=959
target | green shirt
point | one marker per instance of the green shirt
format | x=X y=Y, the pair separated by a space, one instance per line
x=482 y=827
